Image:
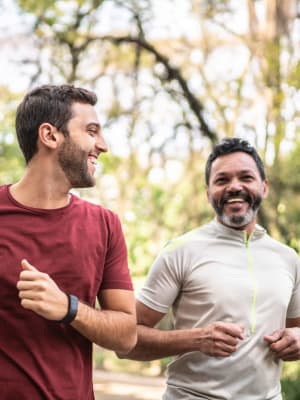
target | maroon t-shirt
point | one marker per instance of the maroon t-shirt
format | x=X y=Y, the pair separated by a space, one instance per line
x=82 y=247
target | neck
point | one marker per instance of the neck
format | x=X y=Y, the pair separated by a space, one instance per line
x=39 y=189
x=248 y=229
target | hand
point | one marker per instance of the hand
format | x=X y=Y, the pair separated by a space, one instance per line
x=220 y=339
x=285 y=343
x=40 y=294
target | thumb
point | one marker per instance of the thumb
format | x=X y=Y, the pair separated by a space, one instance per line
x=276 y=335
x=240 y=332
x=26 y=266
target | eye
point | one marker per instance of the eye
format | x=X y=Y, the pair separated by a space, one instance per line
x=247 y=178
x=220 y=181
x=92 y=132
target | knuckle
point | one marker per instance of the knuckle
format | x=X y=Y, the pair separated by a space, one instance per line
x=24 y=303
x=43 y=286
x=40 y=296
x=40 y=286
x=40 y=308
x=45 y=276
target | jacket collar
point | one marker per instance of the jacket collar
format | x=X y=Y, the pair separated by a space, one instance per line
x=227 y=232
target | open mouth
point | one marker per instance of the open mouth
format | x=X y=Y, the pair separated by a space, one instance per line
x=92 y=159
x=234 y=200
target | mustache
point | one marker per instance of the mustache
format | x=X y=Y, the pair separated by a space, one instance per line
x=233 y=195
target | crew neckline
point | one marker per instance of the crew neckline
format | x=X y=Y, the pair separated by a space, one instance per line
x=35 y=209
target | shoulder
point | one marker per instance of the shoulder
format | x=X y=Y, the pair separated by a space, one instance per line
x=281 y=249
x=198 y=237
x=93 y=208
x=94 y=213
x=4 y=194
x=3 y=188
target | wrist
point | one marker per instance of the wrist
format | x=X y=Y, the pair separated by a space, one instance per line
x=72 y=309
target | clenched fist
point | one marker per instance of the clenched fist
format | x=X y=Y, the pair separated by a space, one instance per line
x=219 y=339
x=40 y=294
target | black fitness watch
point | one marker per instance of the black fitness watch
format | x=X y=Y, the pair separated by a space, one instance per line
x=72 y=309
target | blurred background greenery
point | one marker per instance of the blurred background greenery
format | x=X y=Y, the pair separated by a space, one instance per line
x=172 y=77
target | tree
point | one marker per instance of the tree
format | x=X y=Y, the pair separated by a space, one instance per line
x=159 y=155
x=11 y=164
x=224 y=68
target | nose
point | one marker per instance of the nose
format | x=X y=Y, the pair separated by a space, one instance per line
x=100 y=144
x=235 y=185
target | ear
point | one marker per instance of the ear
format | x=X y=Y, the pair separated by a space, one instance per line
x=265 y=188
x=207 y=194
x=48 y=135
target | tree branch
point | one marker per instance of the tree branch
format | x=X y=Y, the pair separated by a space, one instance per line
x=172 y=74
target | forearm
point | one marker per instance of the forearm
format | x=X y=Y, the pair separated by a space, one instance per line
x=154 y=344
x=218 y=339
x=112 y=327
x=113 y=330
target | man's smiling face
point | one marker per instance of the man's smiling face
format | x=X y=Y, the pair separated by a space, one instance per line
x=79 y=151
x=236 y=189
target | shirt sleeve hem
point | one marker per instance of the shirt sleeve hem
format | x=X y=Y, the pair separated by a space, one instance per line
x=152 y=304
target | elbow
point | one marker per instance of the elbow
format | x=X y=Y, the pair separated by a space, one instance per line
x=130 y=342
x=135 y=354
x=127 y=345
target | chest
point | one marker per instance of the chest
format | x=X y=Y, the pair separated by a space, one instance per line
x=235 y=279
x=71 y=251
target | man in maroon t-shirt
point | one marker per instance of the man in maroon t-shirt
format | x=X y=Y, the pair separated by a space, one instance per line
x=58 y=254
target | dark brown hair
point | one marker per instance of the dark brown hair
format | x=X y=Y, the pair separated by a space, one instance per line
x=47 y=103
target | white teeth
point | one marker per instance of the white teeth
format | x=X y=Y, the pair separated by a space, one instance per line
x=93 y=161
x=234 y=200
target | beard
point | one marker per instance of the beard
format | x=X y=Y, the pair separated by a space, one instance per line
x=74 y=163
x=241 y=220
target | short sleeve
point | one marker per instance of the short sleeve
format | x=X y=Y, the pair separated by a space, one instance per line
x=162 y=284
x=294 y=305
x=116 y=273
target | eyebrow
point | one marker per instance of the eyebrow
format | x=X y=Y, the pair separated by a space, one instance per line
x=243 y=171
x=93 y=124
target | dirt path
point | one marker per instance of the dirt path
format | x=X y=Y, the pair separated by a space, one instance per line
x=114 y=386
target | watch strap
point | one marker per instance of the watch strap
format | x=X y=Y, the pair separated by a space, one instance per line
x=72 y=309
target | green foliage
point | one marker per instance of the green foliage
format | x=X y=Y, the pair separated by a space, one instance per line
x=36 y=7
x=294 y=76
x=255 y=96
x=11 y=160
x=291 y=381
x=282 y=205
